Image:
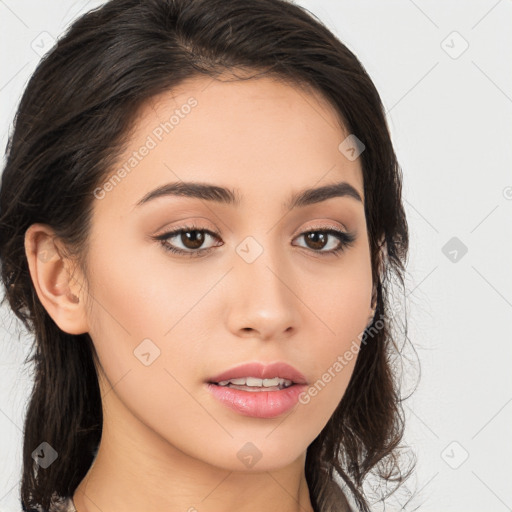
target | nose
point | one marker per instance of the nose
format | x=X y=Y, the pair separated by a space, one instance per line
x=265 y=298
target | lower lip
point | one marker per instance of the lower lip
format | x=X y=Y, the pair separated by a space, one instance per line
x=258 y=404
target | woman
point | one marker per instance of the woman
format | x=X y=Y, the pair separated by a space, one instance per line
x=200 y=212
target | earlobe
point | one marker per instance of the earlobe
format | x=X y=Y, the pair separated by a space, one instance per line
x=51 y=277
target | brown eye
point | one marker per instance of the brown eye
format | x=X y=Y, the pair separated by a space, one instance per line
x=192 y=241
x=318 y=239
x=191 y=238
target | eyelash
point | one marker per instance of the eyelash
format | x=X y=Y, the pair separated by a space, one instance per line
x=346 y=240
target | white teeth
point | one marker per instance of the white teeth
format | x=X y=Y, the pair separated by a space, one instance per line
x=255 y=382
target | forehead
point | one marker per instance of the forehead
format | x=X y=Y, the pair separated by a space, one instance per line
x=260 y=136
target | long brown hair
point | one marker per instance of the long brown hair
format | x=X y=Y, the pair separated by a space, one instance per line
x=69 y=129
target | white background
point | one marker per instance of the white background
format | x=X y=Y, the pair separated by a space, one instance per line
x=450 y=120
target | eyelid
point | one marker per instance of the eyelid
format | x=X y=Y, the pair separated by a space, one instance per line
x=323 y=225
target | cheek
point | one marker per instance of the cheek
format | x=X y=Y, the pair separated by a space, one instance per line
x=136 y=293
x=145 y=315
x=138 y=329
x=342 y=307
x=343 y=300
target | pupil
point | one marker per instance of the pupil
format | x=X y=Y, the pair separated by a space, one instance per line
x=314 y=237
x=196 y=240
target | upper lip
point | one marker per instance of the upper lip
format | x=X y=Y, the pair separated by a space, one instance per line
x=262 y=371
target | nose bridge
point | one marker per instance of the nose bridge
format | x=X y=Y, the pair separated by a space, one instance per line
x=263 y=301
x=261 y=267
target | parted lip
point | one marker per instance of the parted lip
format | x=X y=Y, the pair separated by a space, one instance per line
x=280 y=369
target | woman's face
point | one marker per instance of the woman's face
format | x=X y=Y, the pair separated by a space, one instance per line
x=251 y=287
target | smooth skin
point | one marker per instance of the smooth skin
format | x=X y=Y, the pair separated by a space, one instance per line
x=167 y=443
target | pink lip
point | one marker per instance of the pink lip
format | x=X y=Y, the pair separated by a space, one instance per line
x=258 y=404
x=261 y=371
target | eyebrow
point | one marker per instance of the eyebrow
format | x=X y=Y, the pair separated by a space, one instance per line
x=231 y=197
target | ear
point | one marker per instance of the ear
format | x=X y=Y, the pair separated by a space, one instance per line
x=52 y=278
